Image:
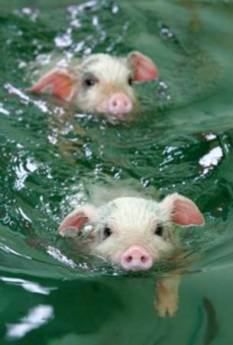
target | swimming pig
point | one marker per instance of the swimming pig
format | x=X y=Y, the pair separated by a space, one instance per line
x=99 y=83
x=135 y=233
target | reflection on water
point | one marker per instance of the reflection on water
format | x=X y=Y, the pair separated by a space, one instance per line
x=182 y=141
x=27 y=285
x=35 y=318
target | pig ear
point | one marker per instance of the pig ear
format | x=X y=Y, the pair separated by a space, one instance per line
x=76 y=220
x=58 y=82
x=183 y=211
x=143 y=67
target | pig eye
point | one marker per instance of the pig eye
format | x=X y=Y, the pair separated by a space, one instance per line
x=89 y=81
x=159 y=230
x=130 y=81
x=107 y=232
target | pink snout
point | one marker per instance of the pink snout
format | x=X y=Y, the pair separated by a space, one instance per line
x=119 y=104
x=136 y=258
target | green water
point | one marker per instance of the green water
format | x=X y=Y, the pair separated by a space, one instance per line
x=183 y=141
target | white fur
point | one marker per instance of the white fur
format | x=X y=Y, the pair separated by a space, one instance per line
x=108 y=68
x=112 y=74
x=99 y=83
x=133 y=221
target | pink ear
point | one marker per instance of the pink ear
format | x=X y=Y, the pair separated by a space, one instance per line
x=143 y=67
x=59 y=83
x=186 y=213
x=76 y=220
x=183 y=211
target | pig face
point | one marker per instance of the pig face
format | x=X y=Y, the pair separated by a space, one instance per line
x=100 y=83
x=133 y=232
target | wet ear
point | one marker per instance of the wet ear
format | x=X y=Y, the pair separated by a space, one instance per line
x=182 y=210
x=60 y=83
x=76 y=220
x=143 y=67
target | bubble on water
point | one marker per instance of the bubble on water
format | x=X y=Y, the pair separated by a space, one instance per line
x=117 y=175
x=87 y=151
x=36 y=43
x=22 y=64
x=163 y=93
x=76 y=10
x=3 y=110
x=210 y=136
x=23 y=170
x=95 y=21
x=79 y=46
x=19 y=33
x=59 y=111
x=145 y=182
x=211 y=159
x=115 y=8
x=59 y=256
x=42 y=105
x=67 y=128
x=64 y=40
x=98 y=170
x=52 y=139
x=166 y=33
x=87 y=51
x=75 y=23
x=43 y=59
x=77 y=196
x=31 y=13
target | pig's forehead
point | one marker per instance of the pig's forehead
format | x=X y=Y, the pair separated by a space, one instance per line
x=135 y=208
x=132 y=204
x=106 y=66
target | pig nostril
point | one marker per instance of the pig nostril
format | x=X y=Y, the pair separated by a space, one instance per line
x=143 y=259
x=129 y=258
x=114 y=103
x=136 y=258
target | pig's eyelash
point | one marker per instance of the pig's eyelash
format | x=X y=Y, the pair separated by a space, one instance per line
x=159 y=230
x=130 y=80
x=89 y=80
x=107 y=231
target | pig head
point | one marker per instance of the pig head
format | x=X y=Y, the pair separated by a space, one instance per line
x=99 y=83
x=132 y=232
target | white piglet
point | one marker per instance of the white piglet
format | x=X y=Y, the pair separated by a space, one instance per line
x=99 y=83
x=135 y=233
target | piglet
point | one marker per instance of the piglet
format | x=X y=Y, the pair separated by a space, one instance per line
x=99 y=83
x=135 y=233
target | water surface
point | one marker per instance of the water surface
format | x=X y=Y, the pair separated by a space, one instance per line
x=181 y=142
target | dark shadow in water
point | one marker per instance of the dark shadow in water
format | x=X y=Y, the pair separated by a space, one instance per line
x=80 y=307
x=212 y=325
